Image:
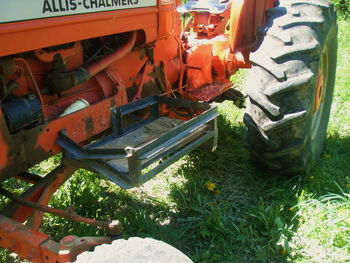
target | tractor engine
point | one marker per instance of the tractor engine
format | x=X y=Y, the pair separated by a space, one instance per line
x=60 y=57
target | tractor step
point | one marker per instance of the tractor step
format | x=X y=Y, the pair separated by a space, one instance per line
x=209 y=92
x=130 y=155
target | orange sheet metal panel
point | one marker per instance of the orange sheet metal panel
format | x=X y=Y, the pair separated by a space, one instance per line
x=27 y=243
x=16 y=37
x=166 y=17
x=29 y=147
x=246 y=17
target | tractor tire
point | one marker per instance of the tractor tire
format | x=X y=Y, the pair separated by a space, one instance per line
x=134 y=250
x=290 y=87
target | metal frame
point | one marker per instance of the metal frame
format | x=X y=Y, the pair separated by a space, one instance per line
x=27 y=241
x=139 y=158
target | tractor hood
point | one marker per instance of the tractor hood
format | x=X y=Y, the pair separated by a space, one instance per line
x=31 y=25
x=22 y=10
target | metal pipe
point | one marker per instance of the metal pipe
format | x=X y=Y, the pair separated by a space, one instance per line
x=142 y=80
x=116 y=55
x=182 y=68
x=112 y=228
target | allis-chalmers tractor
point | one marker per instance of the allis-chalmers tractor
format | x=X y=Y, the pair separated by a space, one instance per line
x=117 y=85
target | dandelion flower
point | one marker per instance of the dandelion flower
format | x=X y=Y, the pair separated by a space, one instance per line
x=210 y=186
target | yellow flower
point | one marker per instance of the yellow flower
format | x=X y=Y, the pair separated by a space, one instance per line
x=217 y=191
x=311 y=177
x=210 y=186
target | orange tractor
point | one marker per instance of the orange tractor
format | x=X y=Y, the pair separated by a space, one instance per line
x=116 y=85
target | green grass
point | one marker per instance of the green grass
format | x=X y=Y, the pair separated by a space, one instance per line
x=254 y=217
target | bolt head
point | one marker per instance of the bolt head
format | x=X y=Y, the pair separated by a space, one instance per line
x=68 y=239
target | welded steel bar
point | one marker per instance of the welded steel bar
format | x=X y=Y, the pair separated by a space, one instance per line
x=112 y=228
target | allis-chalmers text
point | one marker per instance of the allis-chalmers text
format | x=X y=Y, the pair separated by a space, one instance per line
x=53 y=6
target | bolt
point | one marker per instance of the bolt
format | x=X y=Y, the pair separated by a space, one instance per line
x=68 y=239
x=114 y=228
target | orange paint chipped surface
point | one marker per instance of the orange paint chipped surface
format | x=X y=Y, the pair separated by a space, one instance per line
x=200 y=57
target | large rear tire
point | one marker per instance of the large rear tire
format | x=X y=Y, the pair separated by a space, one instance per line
x=291 y=84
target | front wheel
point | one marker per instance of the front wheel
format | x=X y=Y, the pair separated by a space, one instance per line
x=291 y=84
x=134 y=250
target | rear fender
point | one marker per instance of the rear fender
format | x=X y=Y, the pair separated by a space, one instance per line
x=246 y=17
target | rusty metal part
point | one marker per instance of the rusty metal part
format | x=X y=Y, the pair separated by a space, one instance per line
x=234 y=61
x=193 y=67
x=39 y=247
x=7 y=67
x=36 y=246
x=210 y=91
x=199 y=57
x=116 y=55
x=113 y=229
x=59 y=176
x=182 y=68
x=60 y=79
x=73 y=245
x=27 y=243
x=142 y=80
x=34 y=145
x=47 y=56
x=7 y=88
x=40 y=192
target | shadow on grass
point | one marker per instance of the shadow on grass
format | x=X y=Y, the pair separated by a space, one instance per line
x=254 y=217
x=240 y=220
x=249 y=216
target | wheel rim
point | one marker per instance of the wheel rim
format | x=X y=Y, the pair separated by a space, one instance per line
x=320 y=93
